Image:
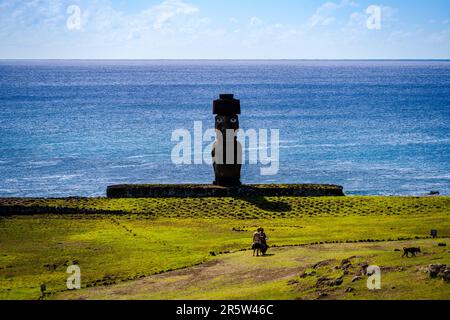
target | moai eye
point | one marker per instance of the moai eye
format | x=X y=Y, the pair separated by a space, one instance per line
x=233 y=120
x=219 y=120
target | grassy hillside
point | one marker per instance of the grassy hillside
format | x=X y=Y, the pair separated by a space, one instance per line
x=248 y=207
x=152 y=236
x=292 y=273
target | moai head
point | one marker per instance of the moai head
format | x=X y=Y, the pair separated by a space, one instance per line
x=227 y=172
x=227 y=110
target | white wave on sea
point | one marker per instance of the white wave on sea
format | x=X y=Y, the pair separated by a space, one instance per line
x=42 y=163
x=62 y=177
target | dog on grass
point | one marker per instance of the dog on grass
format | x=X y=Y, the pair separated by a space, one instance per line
x=412 y=251
x=257 y=248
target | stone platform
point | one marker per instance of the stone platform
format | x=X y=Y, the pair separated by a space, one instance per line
x=199 y=191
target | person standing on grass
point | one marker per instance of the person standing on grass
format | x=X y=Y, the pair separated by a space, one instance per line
x=263 y=238
x=256 y=243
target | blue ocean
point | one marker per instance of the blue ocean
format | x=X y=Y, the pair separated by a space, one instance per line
x=71 y=128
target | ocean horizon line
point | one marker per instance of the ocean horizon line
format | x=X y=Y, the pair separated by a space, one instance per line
x=219 y=59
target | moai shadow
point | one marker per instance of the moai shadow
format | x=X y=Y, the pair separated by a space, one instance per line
x=262 y=203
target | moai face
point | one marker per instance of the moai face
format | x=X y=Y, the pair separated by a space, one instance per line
x=224 y=123
x=227 y=110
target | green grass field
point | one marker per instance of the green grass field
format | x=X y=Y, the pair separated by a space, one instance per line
x=153 y=237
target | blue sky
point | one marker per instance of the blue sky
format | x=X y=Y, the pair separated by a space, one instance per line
x=218 y=29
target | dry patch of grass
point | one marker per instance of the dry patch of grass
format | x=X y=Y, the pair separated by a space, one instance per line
x=293 y=273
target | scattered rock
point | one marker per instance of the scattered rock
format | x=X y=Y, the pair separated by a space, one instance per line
x=364 y=266
x=308 y=274
x=446 y=274
x=356 y=278
x=338 y=281
x=323 y=281
x=292 y=282
x=397 y=250
x=51 y=267
x=212 y=253
x=439 y=271
x=442 y=244
x=321 y=264
x=435 y=269
x=346 y=266
x=349 y=289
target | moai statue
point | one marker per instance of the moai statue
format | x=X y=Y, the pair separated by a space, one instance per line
x=227 y=151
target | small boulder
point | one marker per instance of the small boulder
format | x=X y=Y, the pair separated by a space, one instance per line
x=323 y=281
x=308 y=274
x=338 y=281
x=321 y=264
x=446 y=274
x=364 y=266
x=346 y=266
x=356 y=278
x=292 y=282
x=435 y=270
x=349 y=289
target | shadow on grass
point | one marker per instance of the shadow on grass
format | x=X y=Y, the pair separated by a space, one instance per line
x=263 y=204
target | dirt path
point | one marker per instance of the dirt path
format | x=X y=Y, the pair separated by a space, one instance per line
x=241 y=276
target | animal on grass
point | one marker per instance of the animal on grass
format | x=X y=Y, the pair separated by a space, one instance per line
x=412 y=251
x=256 y=249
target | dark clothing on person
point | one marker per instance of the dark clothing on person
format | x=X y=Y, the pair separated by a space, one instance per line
x=264 y=246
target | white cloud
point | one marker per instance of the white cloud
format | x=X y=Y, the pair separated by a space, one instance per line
x=255 y=21
x=324 y=15
x=177 y=29
x=31 y=14
x=357 y=20
x=97 y=16
x=169 y=9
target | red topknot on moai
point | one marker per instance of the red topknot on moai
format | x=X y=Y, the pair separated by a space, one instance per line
x=227 y=151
